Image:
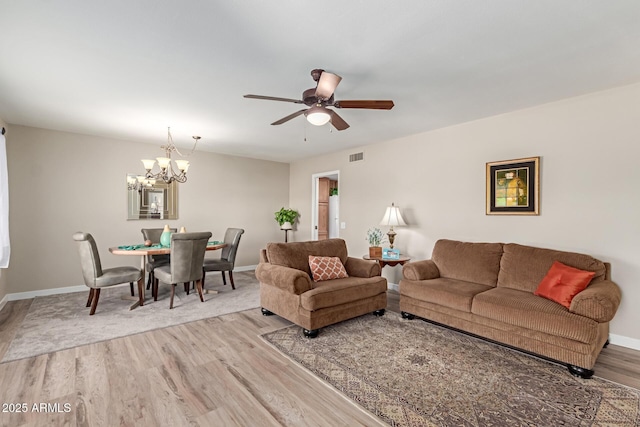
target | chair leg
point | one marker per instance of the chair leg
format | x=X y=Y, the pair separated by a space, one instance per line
x=94 y=304
x=224 y=278
x=173 y=291
x=150 y=280
x=131 y=287
x=186 y=287
x=233 y=285
x=155 y=289
x=91 y=293
x=199 y=286
x=141 y=291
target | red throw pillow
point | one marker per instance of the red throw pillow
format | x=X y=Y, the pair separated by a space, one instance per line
x=326 y=268
x=562 y=283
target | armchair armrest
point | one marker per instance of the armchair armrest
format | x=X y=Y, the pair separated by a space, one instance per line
x=358 y=267
x=420 y=270
x=285 y=278
x=599 y=301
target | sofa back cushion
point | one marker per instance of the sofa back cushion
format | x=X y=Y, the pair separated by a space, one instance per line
x=296 y=254
x=524 y=267
x=471 y=262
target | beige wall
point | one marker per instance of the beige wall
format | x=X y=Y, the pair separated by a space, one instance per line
x=590 y=202
x=3 y=272
x=60 y=183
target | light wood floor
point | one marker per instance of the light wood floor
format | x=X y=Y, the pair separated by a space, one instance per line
x=214 y=372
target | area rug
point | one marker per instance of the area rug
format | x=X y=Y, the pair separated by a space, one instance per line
x=413 y=373
x=62 y=321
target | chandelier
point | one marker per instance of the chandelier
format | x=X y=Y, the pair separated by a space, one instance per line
x=167 y=172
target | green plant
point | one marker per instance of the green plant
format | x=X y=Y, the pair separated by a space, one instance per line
x=286 y=215
x=333 y=191
x=375 y=236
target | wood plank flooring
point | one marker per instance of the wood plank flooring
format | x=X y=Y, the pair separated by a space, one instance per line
x=214 y=372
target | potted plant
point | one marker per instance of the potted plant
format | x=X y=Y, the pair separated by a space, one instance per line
x=286 y=218
x=375 y=238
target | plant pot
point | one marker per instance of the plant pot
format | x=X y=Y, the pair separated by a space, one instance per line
x=286 y=226
x=375 y=251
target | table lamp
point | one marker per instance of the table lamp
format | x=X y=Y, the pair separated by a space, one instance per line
x=392 y=218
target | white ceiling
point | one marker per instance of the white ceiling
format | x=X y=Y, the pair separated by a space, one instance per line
x=128 y=69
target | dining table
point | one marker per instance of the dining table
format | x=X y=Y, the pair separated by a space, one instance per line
x=143 y=251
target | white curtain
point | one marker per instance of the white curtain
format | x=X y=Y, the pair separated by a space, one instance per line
x=5 y=249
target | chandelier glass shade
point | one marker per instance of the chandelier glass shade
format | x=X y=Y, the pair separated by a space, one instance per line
x=167 y=172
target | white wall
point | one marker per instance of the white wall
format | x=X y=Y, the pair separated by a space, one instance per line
x=590 y=202
x=60 y=183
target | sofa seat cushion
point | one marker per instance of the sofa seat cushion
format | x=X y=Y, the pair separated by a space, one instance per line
x=451 y=293
x=471 y=262
x=342 y=291
x=525 y=310
x=524 y=267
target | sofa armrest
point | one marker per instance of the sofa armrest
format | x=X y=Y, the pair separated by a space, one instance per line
x=358 y=267
x=285 y=278
x=420 y=270
x=599 y=301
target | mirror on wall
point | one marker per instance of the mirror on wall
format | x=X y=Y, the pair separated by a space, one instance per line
x=151 y=199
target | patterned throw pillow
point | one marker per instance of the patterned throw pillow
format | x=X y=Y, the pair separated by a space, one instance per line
x=326 y=268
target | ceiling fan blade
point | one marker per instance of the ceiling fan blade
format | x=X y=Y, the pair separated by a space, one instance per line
x=337 y=121
x=289 y=117
x=368 y=104
x=274 y=98
x=327 y=85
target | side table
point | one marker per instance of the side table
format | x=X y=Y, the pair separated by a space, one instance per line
x=385 y=261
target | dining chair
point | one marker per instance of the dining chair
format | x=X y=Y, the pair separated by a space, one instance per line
x=153 y=261
x=187 y=256
x=96 y=278
x=227 y=258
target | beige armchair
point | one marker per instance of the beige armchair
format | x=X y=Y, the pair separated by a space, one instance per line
x=287 y=289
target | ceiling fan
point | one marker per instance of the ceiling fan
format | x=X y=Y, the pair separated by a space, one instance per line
x=321 y=97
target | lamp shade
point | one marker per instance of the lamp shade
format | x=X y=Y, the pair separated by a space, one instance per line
x=317 y=115
x=392 y=216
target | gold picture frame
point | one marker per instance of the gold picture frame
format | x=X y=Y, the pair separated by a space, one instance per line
x=513 y=187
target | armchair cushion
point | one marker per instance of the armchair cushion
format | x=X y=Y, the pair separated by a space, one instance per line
x=296 y=254
x=326 y=268
x=332 y=293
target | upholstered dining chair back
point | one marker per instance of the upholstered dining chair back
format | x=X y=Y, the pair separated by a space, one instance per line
x=187 y=255
x=154 y=234
x=89 y=258
x=232 y=239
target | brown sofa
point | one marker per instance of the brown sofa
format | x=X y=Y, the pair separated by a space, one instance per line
x=487 y=289
x=287 y=289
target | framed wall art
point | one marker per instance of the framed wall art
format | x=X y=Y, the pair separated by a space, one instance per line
x=513 y=187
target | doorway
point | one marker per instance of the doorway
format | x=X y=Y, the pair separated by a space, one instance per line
x=325 y=209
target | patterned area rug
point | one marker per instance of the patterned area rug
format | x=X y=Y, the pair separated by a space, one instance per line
x=413 y=373
x=57 y=322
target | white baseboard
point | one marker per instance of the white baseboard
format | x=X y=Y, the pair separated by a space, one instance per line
x=393 y=286
x=623 y=341
x=245 y=268
x=4 y=301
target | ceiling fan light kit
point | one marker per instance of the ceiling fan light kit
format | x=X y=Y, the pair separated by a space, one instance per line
x=317 y=115
x=321 y=97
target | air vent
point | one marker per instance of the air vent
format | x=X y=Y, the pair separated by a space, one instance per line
x=356 y=157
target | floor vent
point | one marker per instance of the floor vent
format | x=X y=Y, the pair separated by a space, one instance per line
x=356 y=157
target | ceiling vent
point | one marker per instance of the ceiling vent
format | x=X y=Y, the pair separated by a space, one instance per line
x=356 y=157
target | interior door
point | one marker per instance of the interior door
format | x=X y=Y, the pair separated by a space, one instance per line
x=323 y=208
